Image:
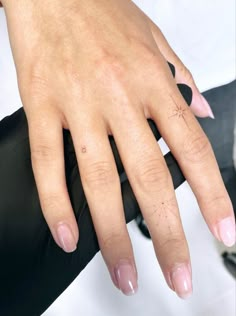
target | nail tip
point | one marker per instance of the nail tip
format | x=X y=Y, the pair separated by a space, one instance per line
x=72 y=250
x=227 y=233
x=182 y=280
x=131 y=293
x=68 y=250
x=229 y=243
x=210 y=114
x=126 y=278
x=185 y=296
x=66 y=238
x=207 y=107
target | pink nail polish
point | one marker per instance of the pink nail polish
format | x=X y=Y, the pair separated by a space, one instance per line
x=182 y=281
x=200 y=106
x=66 y=238
x=207 y=107
x=126 y=278
x=226 y=231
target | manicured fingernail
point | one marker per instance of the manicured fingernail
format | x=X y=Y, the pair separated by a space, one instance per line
x=66 y=238
x=126 y=278
x=226 y=231
x=200 y=106
x=207 y=107
x=182 y=281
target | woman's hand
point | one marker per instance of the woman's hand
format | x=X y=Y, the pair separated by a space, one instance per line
x=99 y=69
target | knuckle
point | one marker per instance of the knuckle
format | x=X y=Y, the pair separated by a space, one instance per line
x=100 y=174
x=37 y=79
x=35 y=83
x=109 y=67
x=186 y=74
x=219 y=200
x=42 y=153
x=196 y=148
x=50 y=203
x=72 y=74
x=214 y=203
x=147 y=52
x=110 y=239
x=36 y=90
x=153 y=173
x=172 y=241
x=155 y=63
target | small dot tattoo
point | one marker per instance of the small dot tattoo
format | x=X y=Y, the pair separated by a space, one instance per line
x=83 y=149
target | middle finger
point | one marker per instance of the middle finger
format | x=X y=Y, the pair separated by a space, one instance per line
x=152 y=185
x=102 y=188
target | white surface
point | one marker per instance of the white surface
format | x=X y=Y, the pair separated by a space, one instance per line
x=92 y=293
x=202 y=33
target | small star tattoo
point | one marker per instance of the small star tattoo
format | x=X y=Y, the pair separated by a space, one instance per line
x=179 y=112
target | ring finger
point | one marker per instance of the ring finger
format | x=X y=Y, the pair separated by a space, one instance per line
x=152 y=185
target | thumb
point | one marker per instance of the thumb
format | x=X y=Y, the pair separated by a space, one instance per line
x=199 y=106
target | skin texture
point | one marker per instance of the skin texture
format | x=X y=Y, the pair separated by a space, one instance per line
x=32 y=265
x=100 y=70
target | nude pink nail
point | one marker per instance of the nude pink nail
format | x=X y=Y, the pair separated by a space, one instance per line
x=126 y=278
x=226 y=231
x=200 y=106
x=182 y=281
x=207 y=107
x=66 y=238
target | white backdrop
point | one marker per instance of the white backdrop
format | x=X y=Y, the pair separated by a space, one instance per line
x=203 y=36
x=202 y=33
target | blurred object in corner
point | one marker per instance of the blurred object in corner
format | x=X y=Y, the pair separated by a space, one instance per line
x=230 y=262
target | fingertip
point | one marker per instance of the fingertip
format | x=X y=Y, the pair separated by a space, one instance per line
x=126 y=277
x=66 y=238
x=181 y=280
x=225 y=231
x=200 y=106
